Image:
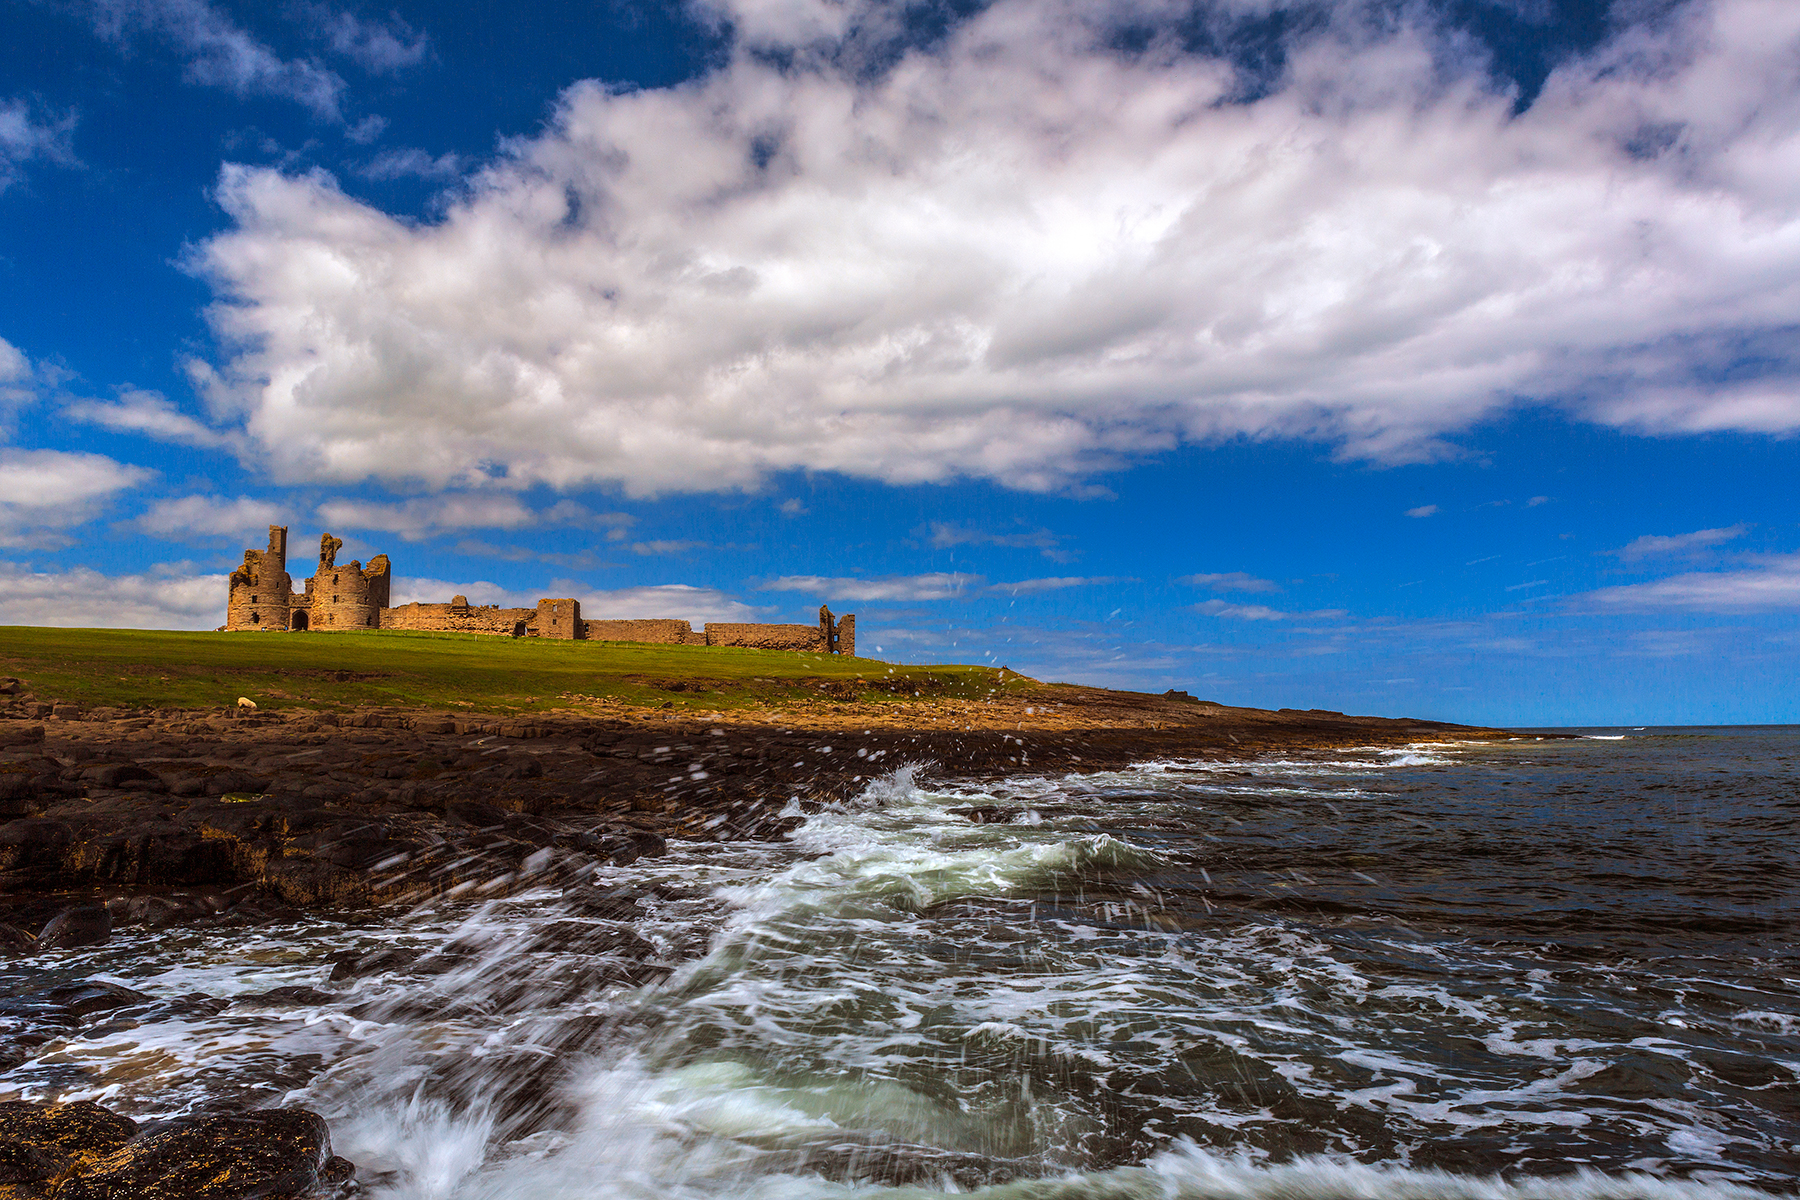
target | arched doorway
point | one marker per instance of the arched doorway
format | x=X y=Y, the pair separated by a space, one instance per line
x=519 y=629
x=300 y=620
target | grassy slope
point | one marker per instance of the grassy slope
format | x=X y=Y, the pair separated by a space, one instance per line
x=446 y=671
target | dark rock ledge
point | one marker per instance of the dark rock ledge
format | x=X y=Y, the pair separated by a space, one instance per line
x=82 y=1151
x=238 y=815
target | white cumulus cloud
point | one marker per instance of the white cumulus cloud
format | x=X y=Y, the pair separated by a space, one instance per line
x=182 y=518
x=43 y=493
x=168 y=599
x=1024 y=254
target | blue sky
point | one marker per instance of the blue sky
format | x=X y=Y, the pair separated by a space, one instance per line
x=1425 y=358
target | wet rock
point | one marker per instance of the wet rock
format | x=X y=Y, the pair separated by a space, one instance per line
x=88 y=925
x=989 y=814
x=355 y=964
x=616 y=846
x=622 y=904
x=287 y=996
x=591 y=938
x=12 y=734
x=14 y=940
x=235 y=783
x=274 y=1154
x=70 y=1006
x=114 y=775
x=524 y=766
x=161 y=852
x=369 y=851
x=18 y=794
x=34 y=844
x=477 y=813
x=187 y=785
x=39 y=1142
x=309 y=883
x=154 y=911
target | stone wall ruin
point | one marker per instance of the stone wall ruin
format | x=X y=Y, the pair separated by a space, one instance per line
x=339 y=598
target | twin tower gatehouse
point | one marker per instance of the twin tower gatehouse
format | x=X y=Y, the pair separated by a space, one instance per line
x=336 y=597
x=339 y=598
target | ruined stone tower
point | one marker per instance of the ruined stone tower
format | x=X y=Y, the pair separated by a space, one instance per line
x=345 y=597
x=262 y=593
x=560 y=619
x=839 y=636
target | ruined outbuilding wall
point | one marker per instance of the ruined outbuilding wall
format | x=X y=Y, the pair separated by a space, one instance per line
x=459 y=616
x=659 y=631
x=766 y=637
x=351 y=596
x=262 y=592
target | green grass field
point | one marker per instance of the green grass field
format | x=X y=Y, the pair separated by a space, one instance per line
x=449 y=671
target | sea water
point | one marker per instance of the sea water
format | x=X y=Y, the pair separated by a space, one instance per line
x=1541 y=968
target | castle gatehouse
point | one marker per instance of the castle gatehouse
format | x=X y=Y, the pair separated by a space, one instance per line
x=338 y=598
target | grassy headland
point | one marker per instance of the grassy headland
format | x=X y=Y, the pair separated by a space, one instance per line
x=138 y=668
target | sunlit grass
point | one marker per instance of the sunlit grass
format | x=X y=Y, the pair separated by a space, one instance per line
x=452 y=671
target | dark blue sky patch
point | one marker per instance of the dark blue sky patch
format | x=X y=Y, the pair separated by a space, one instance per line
x=1277 y=404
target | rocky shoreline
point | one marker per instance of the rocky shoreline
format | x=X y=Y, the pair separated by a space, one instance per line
x=235 y=816
x=114 y=816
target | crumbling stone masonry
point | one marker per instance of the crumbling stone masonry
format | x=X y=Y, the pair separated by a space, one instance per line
x=339 y=598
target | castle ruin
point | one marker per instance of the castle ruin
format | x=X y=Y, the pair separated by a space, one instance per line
x=341 y=598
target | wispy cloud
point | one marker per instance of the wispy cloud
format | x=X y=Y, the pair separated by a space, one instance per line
x=936 y=585
x=218 y=52
x=1261 y=612
x=1424 y=510
x=1772 y=585
x=944 y=534
x=182 y=518
x=1230 y=581
x=152 y=415
x=379 y=47
x=1664 y=546
x=26 y=135
x=426 y=516
x=45 y=492
x=678 y=600
x=18 y=378
x=164 y=598
x=412 y=162
x=670 y=547
x=1026 y=587
x=581 y=560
